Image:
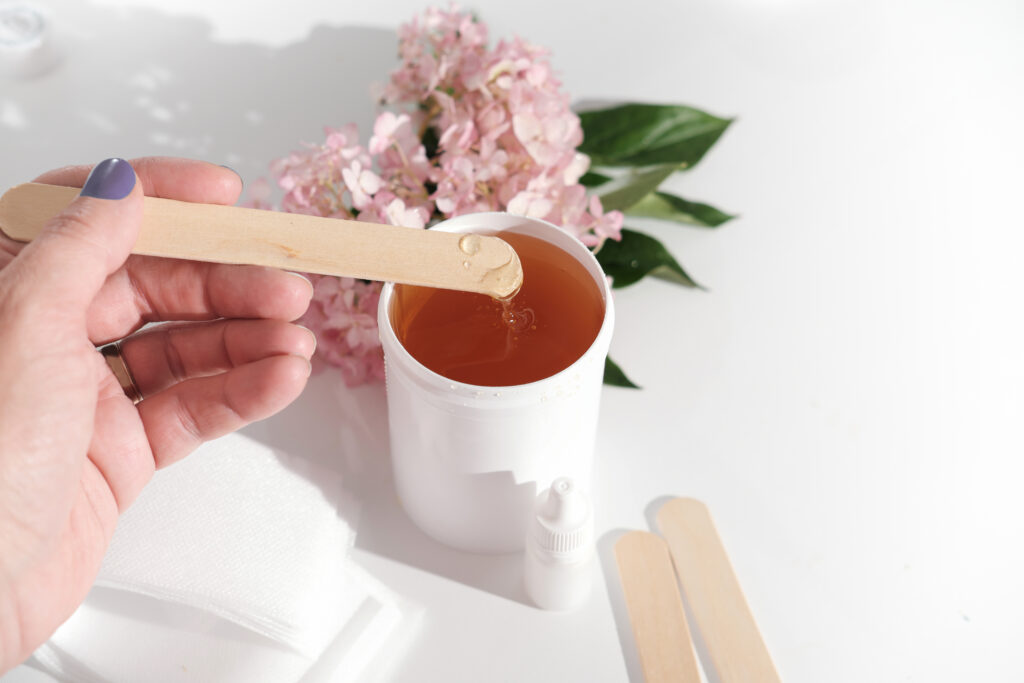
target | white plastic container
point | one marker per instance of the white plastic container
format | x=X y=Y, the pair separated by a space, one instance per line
x=470 y=460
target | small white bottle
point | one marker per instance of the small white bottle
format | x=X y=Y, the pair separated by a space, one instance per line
x=559 y=553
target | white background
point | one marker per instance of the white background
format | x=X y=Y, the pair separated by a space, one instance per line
x=847 y=398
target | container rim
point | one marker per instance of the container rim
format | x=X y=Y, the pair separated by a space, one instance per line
x=489 y=222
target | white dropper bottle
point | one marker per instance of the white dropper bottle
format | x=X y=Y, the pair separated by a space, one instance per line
x=559 y=553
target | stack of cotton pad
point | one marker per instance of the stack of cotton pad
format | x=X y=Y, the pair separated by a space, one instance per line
x=232 y=565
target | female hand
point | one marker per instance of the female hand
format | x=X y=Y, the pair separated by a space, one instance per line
x=74 y=450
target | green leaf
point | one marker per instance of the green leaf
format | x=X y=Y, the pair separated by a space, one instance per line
x=646 y=134
x=614 y=376
x=591 y=179
x=670 y=207
x=637 y=255
x=627 y=190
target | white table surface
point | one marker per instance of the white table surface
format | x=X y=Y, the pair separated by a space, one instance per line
x=847 y=398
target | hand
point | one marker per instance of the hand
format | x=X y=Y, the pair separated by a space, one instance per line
x=74 y=451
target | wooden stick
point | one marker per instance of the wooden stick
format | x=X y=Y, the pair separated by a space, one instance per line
x=713 y=594
x=655 y=609
x=228 y=234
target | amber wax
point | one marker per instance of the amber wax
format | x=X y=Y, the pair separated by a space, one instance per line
x=475 y=339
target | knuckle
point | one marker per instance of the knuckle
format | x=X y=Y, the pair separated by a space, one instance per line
x=173 y=355
x=189 y=420
x=76 y=225
x=234 y=409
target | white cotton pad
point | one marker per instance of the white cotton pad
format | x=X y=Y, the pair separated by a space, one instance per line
x=122 y=637
x=254 y=536
x=232 y=566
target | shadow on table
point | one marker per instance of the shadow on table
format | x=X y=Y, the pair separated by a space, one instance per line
x=137 y=81
x=347 y=428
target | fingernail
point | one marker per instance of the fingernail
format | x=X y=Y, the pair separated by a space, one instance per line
x=303 y=277
x=241 y=180
x=110 y=179
x=311 y=333
x=292 y=272
x=309 y=365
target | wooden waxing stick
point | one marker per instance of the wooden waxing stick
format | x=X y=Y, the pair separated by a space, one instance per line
x=655 y=609
x=720 y=611
x=229 y=234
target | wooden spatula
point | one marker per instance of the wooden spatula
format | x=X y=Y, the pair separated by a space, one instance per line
x=655 y=609
x=713 y=594
x=227 y=234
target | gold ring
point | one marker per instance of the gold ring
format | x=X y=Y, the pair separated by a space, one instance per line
x=112 y=354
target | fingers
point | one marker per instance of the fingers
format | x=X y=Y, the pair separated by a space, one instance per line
x=183 y=179
x=168 y=177
x=154 y=289
x=68 y=263
x=169 y=354
x=172 y=356
x=181 y=418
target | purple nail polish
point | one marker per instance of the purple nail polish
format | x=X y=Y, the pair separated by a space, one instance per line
x=110 y=179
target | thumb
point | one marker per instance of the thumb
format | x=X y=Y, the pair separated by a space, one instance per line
x=67 y=264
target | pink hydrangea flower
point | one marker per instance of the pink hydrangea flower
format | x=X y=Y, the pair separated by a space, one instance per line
x=362 y=184
x=258 y=195
x=473 y=129
x=343 y=315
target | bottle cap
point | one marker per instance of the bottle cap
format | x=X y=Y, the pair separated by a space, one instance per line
x=563 y=525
